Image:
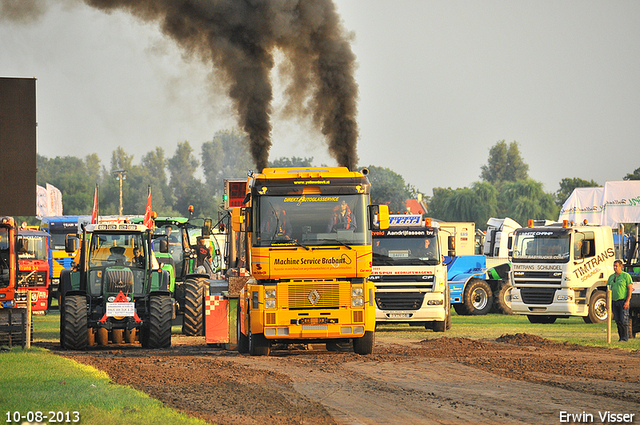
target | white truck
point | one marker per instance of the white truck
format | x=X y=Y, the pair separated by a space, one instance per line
x=561 y=270
x=410 y=277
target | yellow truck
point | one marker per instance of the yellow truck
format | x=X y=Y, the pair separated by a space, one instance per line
x=303 y=236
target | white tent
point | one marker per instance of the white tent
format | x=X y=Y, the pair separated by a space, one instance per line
x=584 y=203
x=615 y=203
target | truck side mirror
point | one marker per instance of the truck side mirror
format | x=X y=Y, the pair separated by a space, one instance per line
x=379 y=217
x=71 y=243
x=586 y=248
x=451 y=245
x=21 y=245
x=206 y=228
x=237 y=219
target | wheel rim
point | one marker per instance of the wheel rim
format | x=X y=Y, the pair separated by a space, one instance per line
x=480 y=299
x=600 y=309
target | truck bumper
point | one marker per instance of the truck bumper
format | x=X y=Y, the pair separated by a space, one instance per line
x=563 y=304
x=432 y=309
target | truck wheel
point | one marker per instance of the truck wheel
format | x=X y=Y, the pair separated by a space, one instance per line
x=547 y=320
x=597 y=308
x=159 y=326
x=102 y=336
x=259 y=345
x=243 y=341
x=75 y=335
x=477 y=297
x=193 y=321
x=503 y=299
x=364 y=345
x=440 y=326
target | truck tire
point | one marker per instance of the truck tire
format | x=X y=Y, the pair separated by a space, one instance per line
x=547 y=320
x=259 y=345
x=159 y=326
x=243 y=341
x=75 y=335
x=477 y=297
x=502 y=299
x=597 y=308
x=364 y=345
x=193 y=321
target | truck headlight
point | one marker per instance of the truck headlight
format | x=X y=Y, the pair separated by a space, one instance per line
x=270 y=293
x=270 y=304
x=564 y=298
x=357 y=302
x=514 y=296
x=356 y=292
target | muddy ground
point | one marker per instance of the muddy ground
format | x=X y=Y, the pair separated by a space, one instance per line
x=515 y=379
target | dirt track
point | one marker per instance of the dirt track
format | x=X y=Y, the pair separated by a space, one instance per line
x=515 y=379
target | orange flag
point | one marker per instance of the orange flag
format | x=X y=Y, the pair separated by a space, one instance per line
x=94 y=211
x=148 y=219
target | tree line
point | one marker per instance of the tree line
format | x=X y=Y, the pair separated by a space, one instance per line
x=196 y=178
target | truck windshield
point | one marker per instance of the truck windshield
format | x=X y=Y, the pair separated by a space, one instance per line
x=33 y=248
x=402 y=250
x=532 y=245
x=4 y=258
x=311 y=220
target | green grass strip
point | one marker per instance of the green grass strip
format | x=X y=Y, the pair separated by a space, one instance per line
x=36 y=380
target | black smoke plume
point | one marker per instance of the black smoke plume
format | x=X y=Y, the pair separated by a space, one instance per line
x=239 y=38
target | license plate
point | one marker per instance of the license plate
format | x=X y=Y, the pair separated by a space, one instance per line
x=313 y=321
x=120 y=309
x=399 y=315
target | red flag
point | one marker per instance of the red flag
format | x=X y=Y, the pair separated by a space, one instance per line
x=148 y=219
x=94 y=211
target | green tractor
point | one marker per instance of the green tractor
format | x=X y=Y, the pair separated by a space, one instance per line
x=175 y=243
x=116 y=292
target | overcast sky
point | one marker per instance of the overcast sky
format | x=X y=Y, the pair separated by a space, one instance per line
x=440 y=83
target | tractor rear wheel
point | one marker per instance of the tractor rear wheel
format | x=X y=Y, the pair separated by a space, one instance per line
x=193 y=321
x=159 y=326
x=75 y=334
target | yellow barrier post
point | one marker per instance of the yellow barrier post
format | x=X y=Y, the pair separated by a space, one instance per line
x=608 y=316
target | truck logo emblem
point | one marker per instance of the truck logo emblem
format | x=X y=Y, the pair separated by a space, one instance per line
x=313 y=297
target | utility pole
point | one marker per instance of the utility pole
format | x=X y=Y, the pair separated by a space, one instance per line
x=120 y=175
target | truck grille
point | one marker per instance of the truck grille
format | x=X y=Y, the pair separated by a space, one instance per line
x=318 y=295
x=537 y=295
x=537 y=278
x=399 y=301
x=31 y=279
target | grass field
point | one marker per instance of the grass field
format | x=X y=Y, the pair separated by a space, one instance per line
x=36 y=380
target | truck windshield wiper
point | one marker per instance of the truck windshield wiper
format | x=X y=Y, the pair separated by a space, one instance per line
x=336 y=240
x=283 y=243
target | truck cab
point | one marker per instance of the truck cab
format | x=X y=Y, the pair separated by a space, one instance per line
x=561 y=270
x=410 y=277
